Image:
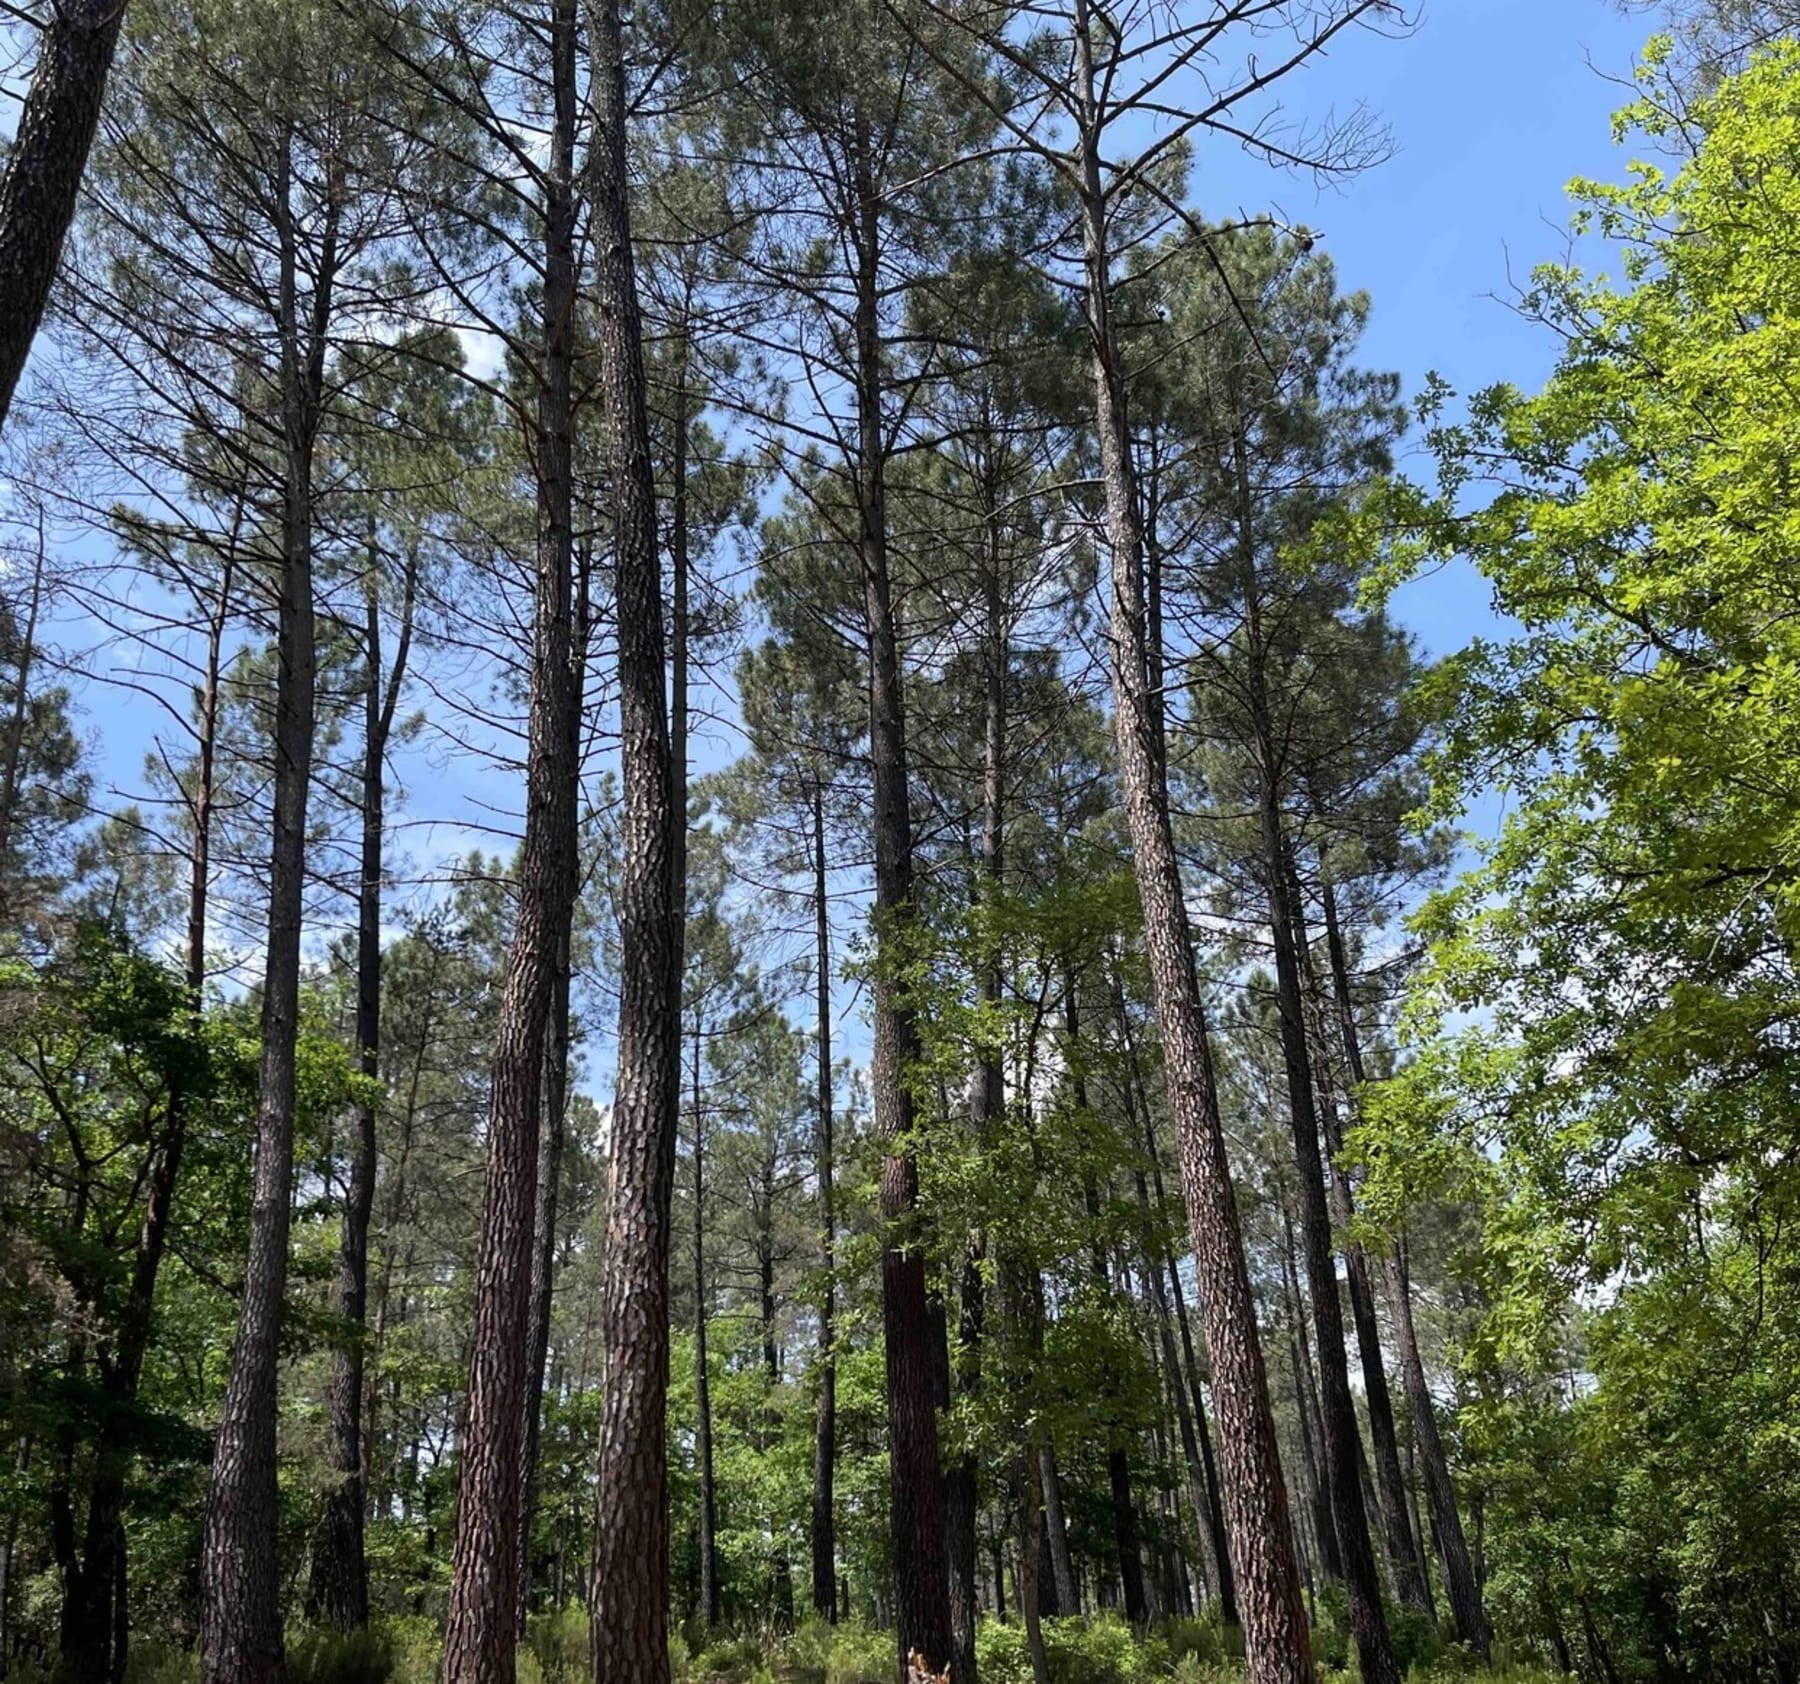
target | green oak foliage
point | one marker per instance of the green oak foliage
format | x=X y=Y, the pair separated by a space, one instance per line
x=1605 y=1018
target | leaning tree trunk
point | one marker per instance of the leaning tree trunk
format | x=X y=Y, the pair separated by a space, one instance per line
x=630 y=1613
x=483 y=1610
x=42 y=179
x=824 y=1523
x=240 y=1586
x=910 y=1336
x=1337 y=1411
x=1459 y=1575
x=1277 y=1646
x=1214 y=1543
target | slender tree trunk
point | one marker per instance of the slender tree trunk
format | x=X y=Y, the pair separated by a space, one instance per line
x=13 y=754
x=1277 y=1645
x=339 y=1588
x=921 y=1573
x=988 y=1092
x=709 y=1608
x=551 y=1127
x=1306 y=1404
x=1397 y=1536
x=1460 y=1588
x=484 y=1599
x=240 y=1586
x=42 y=178
x=1056 y=1524
x=824 y=1524
x=8 y=1547
x=631 y=1532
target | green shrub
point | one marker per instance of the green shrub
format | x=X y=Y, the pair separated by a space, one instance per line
x=1331 y=1630
x=735 y=1660
x=558 y=1642
x=860 y=1655
x=145 y=1663
x=1101 y=1649
x=416 y=1643
x=1001 y=1655
x=320 y=1655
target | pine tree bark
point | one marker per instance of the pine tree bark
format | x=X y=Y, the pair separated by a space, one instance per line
x=1276 y=1640
x=483 y=1607
x=824 y=1508
x=240 y=1589
x=42 y=179
x=630 y=1636
x=921 y=1571
x=1214 y=1543
x=1460 y=1587
x=13 y=753
x=1306 y=1404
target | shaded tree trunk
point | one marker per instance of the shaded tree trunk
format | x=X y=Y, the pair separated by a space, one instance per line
x=631 y=1533
x=1056 y=1530
x=551 y=1128
x=708 y=1610
x=484 y=1600
x=1306 y=1403
x=42 y=178
x=1277 y=1644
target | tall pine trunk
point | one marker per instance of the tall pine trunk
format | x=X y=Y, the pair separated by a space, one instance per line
x=630 y=1614
x=483 y=1609
x=1460 y=1586
x=240 y=1585
x=1276 y=1641
x=339 y=1587
x=824 y=1523
x=709 y=1611
x=909 y=1330
x=1214 y=1543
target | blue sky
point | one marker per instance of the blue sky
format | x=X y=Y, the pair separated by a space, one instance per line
x=1493 y=105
